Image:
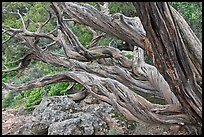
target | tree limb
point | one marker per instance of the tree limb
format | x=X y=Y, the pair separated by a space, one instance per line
x=127 y=102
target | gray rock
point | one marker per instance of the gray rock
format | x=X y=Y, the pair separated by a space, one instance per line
x=54 y=109
x=39 y=128
x=33 y=128
x=78 y=124
x=50 y=110
x=101 y=110
x=61 y=103
x=49 y=116
x=60 y=115
x=24 y=130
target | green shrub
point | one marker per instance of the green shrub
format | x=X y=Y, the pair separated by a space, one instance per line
x=12 y=99
x=17 y=101
x=77 y=86
x=126 y=8
x=112 y=131
x=32 y=96
x=57 y=89
x=8 y=99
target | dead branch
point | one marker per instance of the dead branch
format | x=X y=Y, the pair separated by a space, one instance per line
x=95 y=38
x=79 y=95
x=103 y=8
x=127 y=102
x=152 y=74
x=105 y=23
x=24 y=62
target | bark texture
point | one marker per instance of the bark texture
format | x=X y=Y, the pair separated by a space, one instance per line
x=174 y=54
x=107 y=74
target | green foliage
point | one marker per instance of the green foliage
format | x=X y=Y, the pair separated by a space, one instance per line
x=77 y=86
x=14 y=50
x=81 y=32
x=17 y=100
x=126 y=8
x=112 y=131
x=35 y=11
x=57 y=89
x=36 y=69
x=25 y=98
x=7 y=100
x=192 y=13
x=129 y=56
x=31 y=96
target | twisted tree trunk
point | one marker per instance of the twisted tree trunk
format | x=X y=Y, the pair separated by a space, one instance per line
x=177 y=52
x=106 y=73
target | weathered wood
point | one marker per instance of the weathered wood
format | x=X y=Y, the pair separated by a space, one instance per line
x=153 y=76
x=116 y=25
x=87 y=19
x=192 y=44
x=107 y=74
x=130 y=104
x=172 y=59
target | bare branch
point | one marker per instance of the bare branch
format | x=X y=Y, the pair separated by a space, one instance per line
x=98 y=52
x=22 y=21
x=95 y=38
x=127 y=102
x=103 y=8
x=70 y=35
x=67 y=19
x=48 y=45
x=25 y=61
x=60 y=77
x=27 y=21
x=41 y=26
x=104 y=71
x=14 y=69
x=79 y=95
x=195 y=51
x=67 y=32
x=92 y=17
x=94 y=33
x=56 y=28
x=9 y=38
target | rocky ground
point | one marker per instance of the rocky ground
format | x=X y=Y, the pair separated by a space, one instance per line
x=60 y=115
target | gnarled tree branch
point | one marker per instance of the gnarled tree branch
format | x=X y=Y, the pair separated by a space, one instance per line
x=106 y=73
x=127 y=102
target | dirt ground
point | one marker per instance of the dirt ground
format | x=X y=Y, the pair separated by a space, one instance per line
x=13 y=119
